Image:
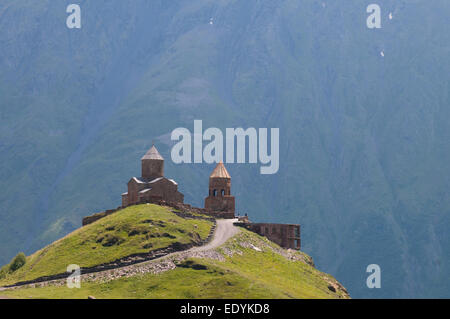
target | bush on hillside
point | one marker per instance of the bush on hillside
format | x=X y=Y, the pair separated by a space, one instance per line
x=17 y=262
x=3 y=272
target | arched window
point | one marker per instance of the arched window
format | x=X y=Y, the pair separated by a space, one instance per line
x=223 y=192
x=215 y=193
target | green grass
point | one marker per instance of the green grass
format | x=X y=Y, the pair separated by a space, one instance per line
x=136 y=229
x=247 y=273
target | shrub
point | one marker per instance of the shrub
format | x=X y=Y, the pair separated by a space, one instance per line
x=17 y=262
x=111 y=240
x=192 y=264
x=3 y=272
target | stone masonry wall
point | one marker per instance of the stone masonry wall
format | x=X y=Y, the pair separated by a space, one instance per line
x=285 y=235
x=178 y=206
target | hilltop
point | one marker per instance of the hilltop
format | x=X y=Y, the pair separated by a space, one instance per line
x=239 y=264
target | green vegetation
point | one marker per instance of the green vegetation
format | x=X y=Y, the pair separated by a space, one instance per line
x=252 y=267
x=18 y=262
x=136 y=229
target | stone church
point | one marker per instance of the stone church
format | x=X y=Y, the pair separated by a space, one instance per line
x=152 y=186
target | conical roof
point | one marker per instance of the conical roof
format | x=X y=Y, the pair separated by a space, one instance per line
x=220 y=172
x=153 y=154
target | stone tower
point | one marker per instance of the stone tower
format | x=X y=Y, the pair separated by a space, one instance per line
x=220 y=199
x=152 y=164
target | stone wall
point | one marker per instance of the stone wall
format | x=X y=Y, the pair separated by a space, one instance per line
x=151 y=168
x=178 y=206
x=285 y=235
x=90 y=219
x=220 y=203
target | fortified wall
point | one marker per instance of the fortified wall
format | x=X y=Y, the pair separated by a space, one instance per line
x=285 y=235
x=184 y=208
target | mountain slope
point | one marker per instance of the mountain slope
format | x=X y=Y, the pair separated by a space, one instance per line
x=129 y=232
x=246 y=266
x=364 y=162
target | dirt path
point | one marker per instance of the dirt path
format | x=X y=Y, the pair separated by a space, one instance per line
x=224 y=231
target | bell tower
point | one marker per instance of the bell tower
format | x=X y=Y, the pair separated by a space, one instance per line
x=219 y=198
x=152 y=164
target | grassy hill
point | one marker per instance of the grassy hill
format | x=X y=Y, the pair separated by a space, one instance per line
x=246 y=266
x=134 y=230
